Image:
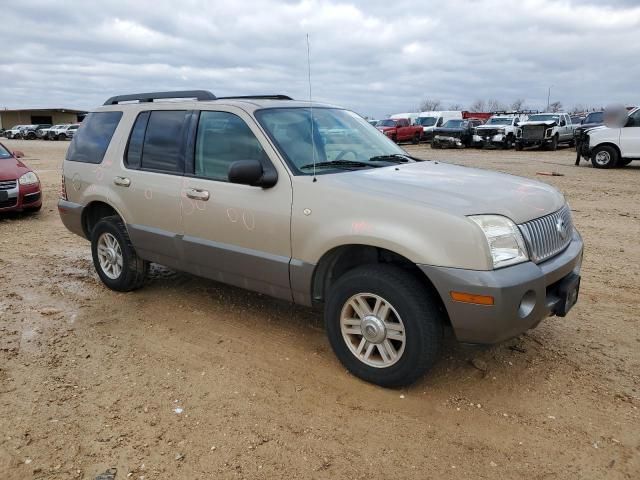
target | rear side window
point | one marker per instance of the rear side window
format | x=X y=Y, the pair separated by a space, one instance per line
x=133 y=159
x=91 y=141
x=162 y=149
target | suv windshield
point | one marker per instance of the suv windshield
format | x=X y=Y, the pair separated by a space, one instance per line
x=386 y=123
x=4 y=153
x=595 y=117
x=455 y=124
x=499 y=121
x=544 y=118
x=426 y=121
x=338 y=135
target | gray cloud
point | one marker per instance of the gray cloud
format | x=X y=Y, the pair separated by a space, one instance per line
x=376 y=57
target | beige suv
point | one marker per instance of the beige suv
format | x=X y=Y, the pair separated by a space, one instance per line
x=311 y=204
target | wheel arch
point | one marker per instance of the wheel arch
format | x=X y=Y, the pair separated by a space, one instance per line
x=341 y=259
x=607 y=144
x=95 y=211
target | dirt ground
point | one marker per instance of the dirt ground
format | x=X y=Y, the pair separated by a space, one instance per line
x=191 y=379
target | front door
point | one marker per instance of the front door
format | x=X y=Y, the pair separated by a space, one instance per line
x=236 y=234
x=630 y=136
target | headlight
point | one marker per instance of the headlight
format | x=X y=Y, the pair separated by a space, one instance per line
x=28 y=178
x=504 y=238
x=547 y=132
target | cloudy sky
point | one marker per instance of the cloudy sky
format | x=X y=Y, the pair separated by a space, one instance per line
x=374 y=56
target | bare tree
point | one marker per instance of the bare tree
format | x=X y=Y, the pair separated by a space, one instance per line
x=478 y=106
x=494 y=105
x=455 y=107
x=430 y=105
x=555 y=106
x=518 y=104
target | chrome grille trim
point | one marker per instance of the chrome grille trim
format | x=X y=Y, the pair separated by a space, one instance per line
x=8 y=184
x=543 y=237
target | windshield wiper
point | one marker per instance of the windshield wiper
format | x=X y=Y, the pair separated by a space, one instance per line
x=394 y=158
x=340 y=164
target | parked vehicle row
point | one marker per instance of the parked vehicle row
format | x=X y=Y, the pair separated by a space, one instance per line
x=42 y=132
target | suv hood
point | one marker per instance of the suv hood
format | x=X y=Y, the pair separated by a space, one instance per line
x=455 y=189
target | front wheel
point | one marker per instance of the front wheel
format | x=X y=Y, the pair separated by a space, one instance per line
x=416 y=139
x=604 y=156
x=384 y=325
x=553 y=146
x=519 y=146
x=114 y=257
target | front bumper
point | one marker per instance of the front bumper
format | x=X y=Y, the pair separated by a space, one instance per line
x=448 y=141
x=21 y=198
x=489 y=139
x=529 y=142
x=524 y=295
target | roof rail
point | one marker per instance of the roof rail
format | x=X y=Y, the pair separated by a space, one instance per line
x=257 y=97
x=150 y=97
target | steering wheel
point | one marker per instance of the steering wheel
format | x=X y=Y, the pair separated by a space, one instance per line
x=346 y=152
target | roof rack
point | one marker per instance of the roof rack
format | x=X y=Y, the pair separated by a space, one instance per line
x=257 y=97
x=150 y=97
x=515 y=112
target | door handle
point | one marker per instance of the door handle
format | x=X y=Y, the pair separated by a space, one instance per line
x=197 y=194
x=122 y=181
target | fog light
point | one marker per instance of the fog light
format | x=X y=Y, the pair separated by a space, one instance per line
x=527 y=304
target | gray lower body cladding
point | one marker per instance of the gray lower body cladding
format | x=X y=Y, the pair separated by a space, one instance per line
x=510 y=315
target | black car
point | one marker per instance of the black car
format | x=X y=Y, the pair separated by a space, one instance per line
x=594 y=119
x=455 y=133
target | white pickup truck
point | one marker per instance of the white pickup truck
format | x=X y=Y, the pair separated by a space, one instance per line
x=609 y=147
x=545 y=130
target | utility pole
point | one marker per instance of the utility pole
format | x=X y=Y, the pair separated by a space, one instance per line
x=549 y=97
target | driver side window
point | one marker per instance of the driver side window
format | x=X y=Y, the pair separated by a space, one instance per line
x=440 y=122
x=222 y=139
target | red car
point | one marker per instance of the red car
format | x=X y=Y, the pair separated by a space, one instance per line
x=19 y=185
x=400 y=130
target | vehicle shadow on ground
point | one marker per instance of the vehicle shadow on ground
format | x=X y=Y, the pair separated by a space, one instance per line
x=7 y=217
x=294 y=321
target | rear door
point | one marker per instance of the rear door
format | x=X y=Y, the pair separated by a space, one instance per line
x=147 y=190
x=630 y=136
x=237 y=234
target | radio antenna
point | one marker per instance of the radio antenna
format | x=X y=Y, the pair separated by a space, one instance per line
x=313 y=140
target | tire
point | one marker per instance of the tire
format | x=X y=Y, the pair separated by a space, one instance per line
x=416 y=139
x=623 y=162
x=508 y=143
x=413 y=310
x=434 y=145
x=519 y=146
x=604 y=156
x=31 y=136
x=394 y=139
x=133 y=270
x=62 y=136
x=553 y=146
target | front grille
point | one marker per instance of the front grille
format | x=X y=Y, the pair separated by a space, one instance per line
x=533 y=132
x=487 y=132
x=7 y=184
x=547 y=236
x=11 y=202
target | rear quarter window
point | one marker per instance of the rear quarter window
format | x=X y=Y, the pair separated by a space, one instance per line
x=92 y=139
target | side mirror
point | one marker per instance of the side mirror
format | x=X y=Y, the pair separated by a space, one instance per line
x=18 y=154
x=250 y=172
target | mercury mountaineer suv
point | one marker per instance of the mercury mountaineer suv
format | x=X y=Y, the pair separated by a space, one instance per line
x=247 y=191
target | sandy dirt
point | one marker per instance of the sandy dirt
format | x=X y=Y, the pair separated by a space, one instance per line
x=191 y=379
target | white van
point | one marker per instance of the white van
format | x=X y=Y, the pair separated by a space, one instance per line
x=413 y=117
x=431 y=120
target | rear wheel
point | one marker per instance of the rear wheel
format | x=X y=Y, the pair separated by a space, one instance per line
x=604 y=156
x=383 y=325
x=114 y=257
